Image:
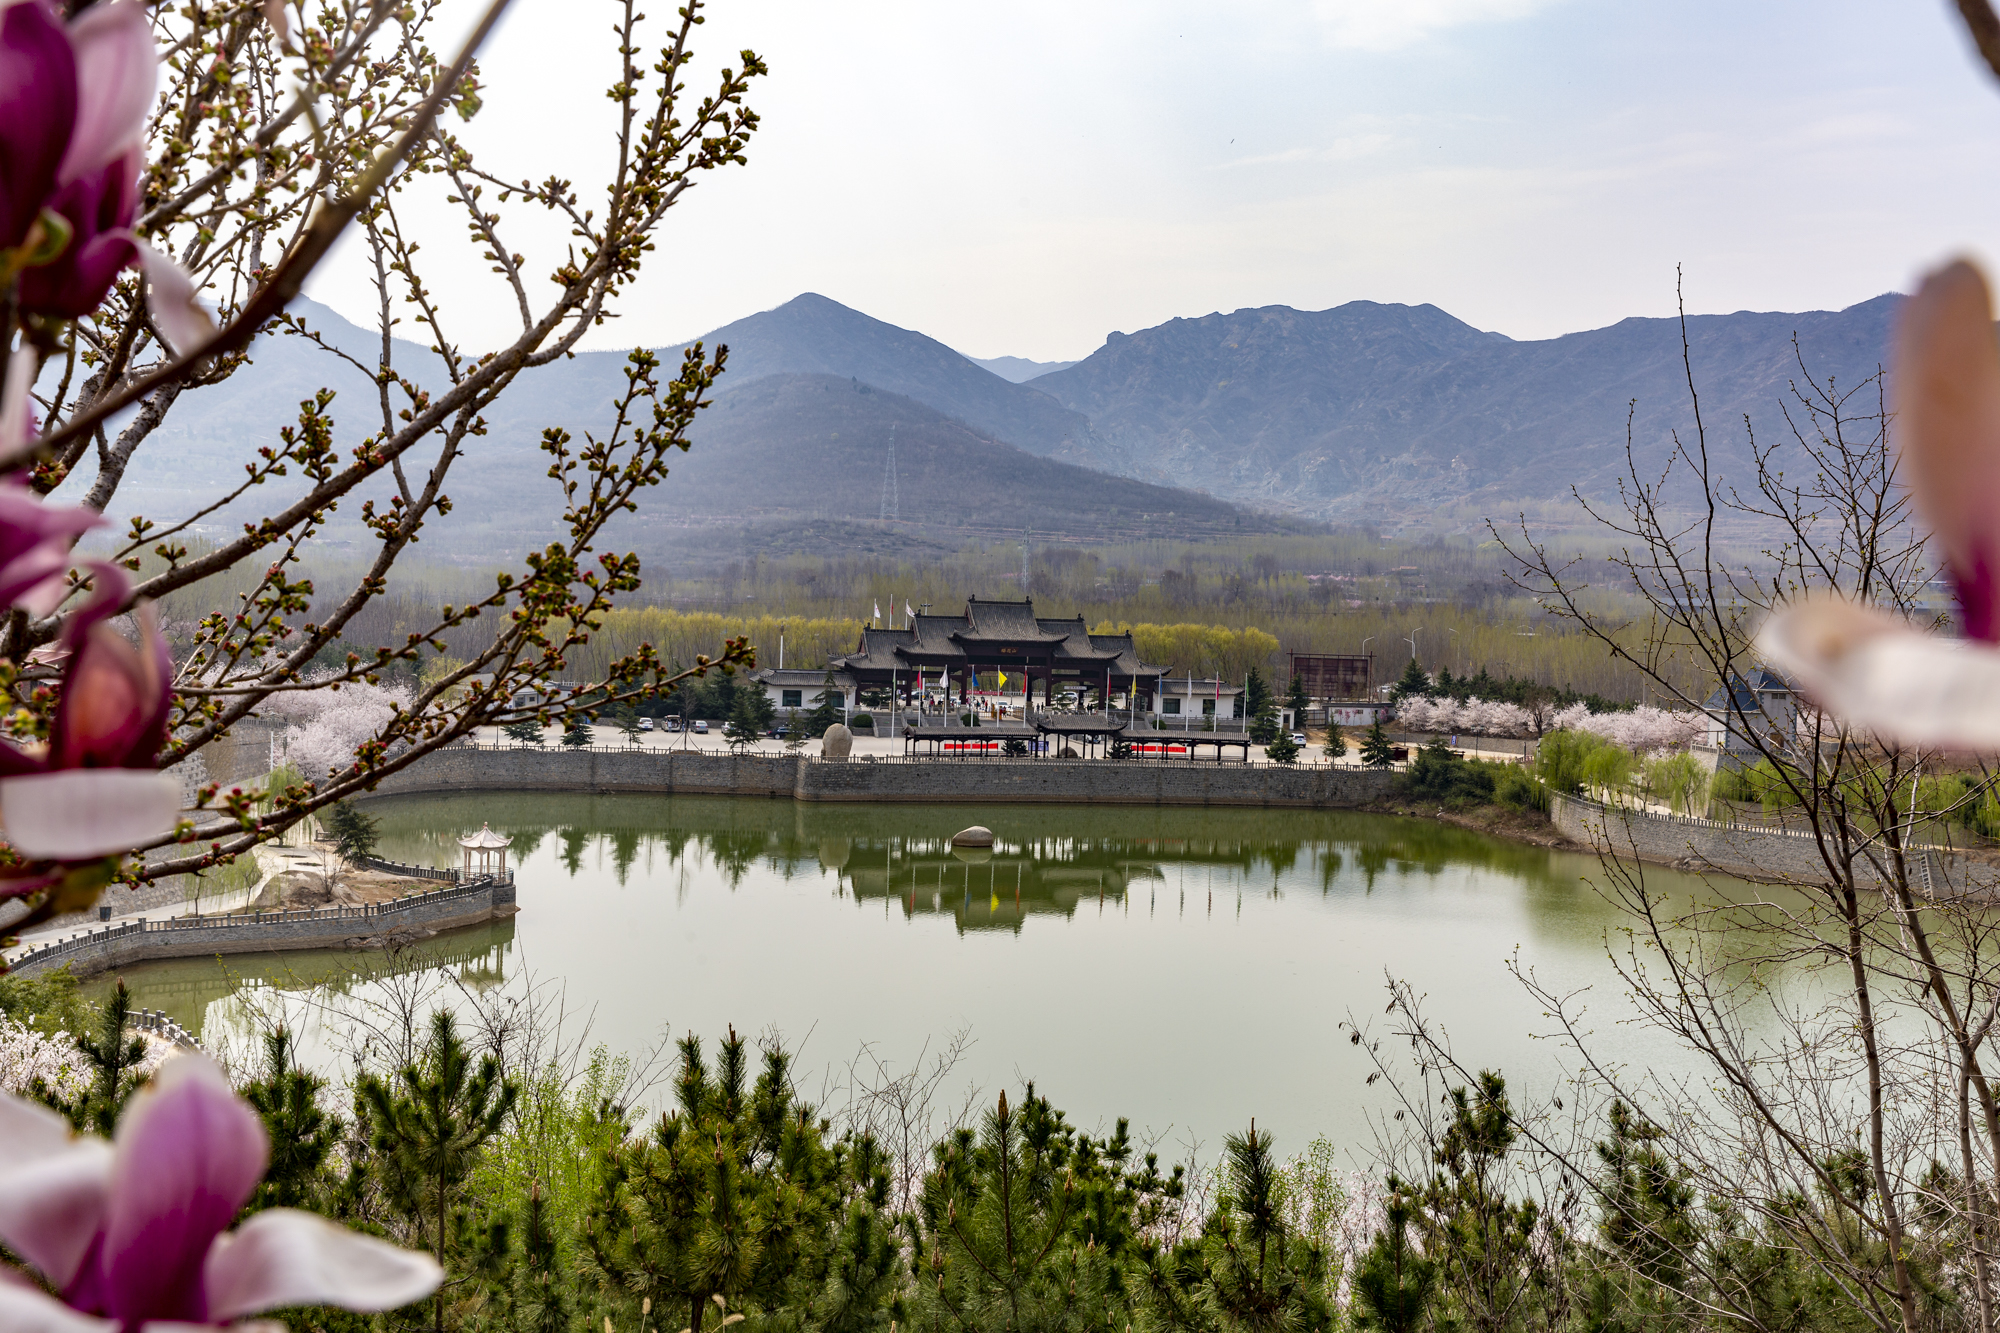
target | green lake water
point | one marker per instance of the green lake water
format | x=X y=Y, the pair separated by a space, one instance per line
x=1186 y=968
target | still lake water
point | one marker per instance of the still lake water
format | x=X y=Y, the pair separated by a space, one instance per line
x=1186 y=968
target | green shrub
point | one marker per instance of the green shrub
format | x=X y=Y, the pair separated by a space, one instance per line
x=862 y=722
x=1513 y=786
x=1437 y=774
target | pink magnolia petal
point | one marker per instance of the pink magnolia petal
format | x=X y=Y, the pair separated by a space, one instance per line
x=170 y=296
x=285 y=1257
x=117 y=74
x=17 y=419
x=116 y=694
x=1877 y=673
x=30 y=1132
x=39 y=596
x=52 y=1210
x=189 y=1151
x=25 y=1310
x=80 y=813
x=27 y=520
x=1948 y=409
x=38 y=98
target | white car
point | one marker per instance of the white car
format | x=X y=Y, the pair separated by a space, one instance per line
x=1298 y=738
x=645 y=724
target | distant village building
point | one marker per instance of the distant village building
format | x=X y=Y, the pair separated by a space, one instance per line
x=1762 y=699
x=792 y=689
x=1181 y=696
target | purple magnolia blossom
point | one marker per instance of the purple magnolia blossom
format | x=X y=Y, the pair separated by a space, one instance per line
x=1877 y=670
x=99 y=208
x=35 y=541
x=132 y=1233
x=73 y=105
x=116 y=694
x=92 y=791
x=38 y=97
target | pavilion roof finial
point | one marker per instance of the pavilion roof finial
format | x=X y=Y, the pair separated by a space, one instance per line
x=485 y=838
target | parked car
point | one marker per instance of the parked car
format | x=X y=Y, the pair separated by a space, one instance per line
x=700 y=727
x=778 y=733
x=1298 y=738
x=645 y=724
x=673 y=724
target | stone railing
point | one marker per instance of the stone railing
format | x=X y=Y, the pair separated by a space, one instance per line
x=448 y=875
x=264 y=932
x=156 y=1022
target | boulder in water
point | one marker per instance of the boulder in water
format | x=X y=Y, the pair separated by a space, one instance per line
x=976 y=836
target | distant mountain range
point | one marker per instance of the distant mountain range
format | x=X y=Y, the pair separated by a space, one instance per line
x=1018 y=369
x=1268 y=419
x=1392 y=410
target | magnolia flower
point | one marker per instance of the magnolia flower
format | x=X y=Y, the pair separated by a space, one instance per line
x=73 y=100
x=73 y=105
x=93 y=791
x=99 y=209
x=1876 y=670
x=132 y=1234
x=35 y=541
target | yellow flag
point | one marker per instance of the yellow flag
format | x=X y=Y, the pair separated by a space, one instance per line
x=1003 y=679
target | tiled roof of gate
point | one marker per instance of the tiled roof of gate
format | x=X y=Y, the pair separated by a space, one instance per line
x=933 y=637
x=1011 y=621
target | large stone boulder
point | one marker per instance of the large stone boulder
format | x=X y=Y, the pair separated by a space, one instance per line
x=838 y=743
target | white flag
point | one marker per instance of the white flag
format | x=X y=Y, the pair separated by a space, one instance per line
x=908 y=612
x=878 y=613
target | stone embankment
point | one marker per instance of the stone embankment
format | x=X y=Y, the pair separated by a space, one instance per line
x=886 y=781
x=358 y=925
x=1774 y=855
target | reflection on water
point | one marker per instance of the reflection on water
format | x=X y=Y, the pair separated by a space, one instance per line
x=1185 y=967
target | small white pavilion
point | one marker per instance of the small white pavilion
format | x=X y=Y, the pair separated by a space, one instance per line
x=490 y=846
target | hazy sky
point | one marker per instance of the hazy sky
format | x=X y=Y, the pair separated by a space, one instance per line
x=1022 y=178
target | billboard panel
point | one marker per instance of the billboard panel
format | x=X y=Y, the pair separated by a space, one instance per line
x=1333 y=675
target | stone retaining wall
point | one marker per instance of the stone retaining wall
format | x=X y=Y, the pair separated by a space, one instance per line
x=1732 y=849
x=267 y=932
x=1102 y=782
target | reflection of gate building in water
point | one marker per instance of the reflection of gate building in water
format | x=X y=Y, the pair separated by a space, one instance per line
x=1052 y=876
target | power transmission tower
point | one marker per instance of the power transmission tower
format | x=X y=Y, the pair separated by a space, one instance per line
x=892 y=501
